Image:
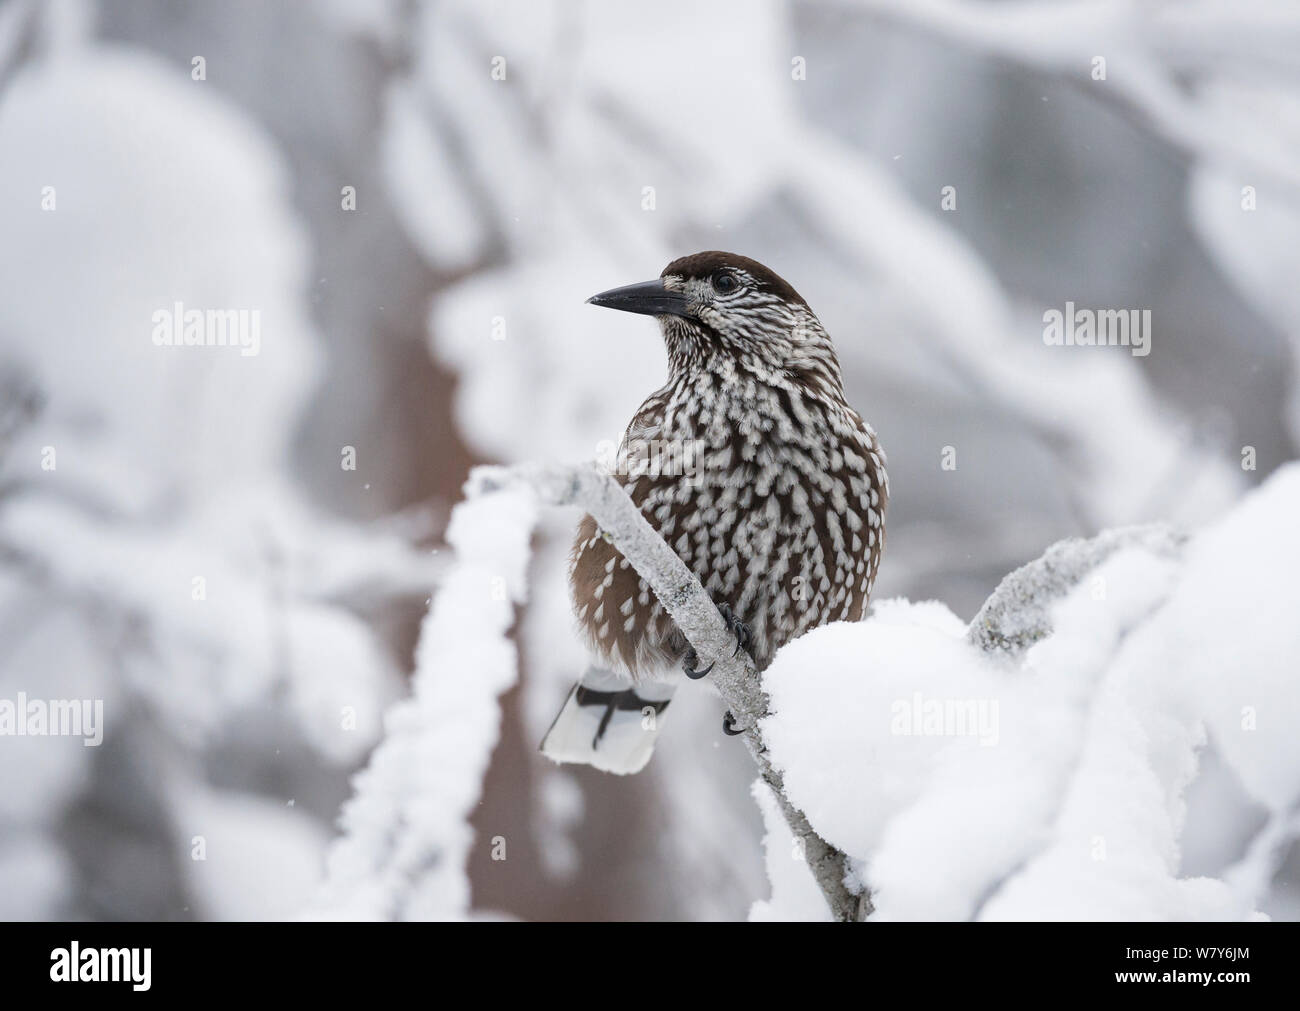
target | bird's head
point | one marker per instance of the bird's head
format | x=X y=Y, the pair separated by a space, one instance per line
x=723 y=309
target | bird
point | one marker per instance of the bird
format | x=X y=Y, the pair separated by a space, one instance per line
x=767 y=484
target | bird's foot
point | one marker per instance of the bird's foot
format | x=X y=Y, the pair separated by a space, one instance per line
x=692 y=661
x=744 y=637
x=729 y=726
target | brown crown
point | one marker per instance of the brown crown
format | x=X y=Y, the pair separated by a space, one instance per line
x=703 y=265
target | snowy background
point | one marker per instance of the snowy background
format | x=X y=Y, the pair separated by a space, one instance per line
x=1146 y=764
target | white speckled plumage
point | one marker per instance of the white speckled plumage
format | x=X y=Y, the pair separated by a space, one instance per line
x=782 y=516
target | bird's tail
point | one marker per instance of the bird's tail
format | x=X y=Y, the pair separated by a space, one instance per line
x=609 y=723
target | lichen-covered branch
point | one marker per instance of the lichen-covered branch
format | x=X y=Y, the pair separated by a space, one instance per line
x=696 y=616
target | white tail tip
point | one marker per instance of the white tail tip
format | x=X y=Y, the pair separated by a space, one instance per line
x=613 y=731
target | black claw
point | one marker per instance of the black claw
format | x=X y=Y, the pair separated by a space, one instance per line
x=690 y=662
x=729 y=726
x=695 y=675
x=744 y=637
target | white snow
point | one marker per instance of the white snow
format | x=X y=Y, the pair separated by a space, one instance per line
x=795 y=895
x=405 y=837
x=243 y=856
x=1070 y=804
x=171 y=465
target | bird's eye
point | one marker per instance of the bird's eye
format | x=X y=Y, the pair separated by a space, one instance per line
x=725 y=283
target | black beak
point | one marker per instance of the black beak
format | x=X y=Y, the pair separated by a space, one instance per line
x=650 y=298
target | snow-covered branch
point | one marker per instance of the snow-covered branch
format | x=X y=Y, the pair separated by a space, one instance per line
x=405 y=837
x=1018 y=613
x=1041 y=762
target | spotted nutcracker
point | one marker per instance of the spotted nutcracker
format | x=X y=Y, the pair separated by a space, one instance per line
x=756 y=471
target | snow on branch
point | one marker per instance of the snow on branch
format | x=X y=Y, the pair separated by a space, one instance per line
x=1037 y=764
x=1018 y=613
x=406 y=837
